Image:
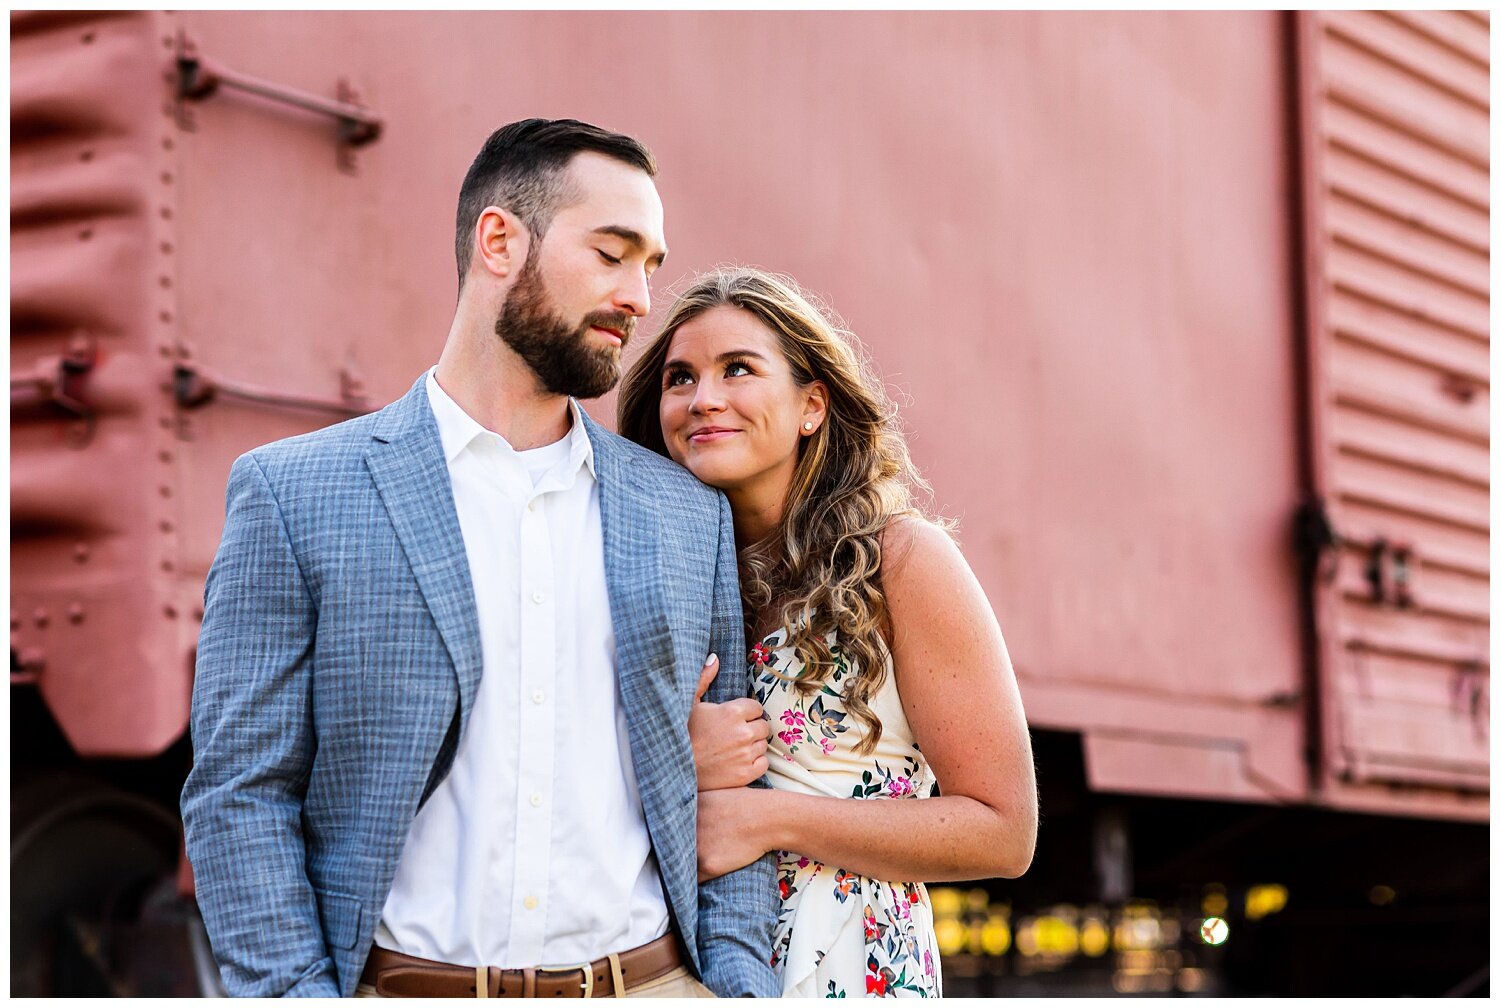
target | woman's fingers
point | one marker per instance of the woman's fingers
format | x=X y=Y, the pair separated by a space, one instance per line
x=706 y=679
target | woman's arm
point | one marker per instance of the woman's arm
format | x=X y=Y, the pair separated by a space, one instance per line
x=959 y=693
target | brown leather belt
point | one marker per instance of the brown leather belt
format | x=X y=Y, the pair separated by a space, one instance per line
x=393 y=974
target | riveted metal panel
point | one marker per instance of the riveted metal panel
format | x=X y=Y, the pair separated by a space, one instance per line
x=1396 y=167
x=100 y=621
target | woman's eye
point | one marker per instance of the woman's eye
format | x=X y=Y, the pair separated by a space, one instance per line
x=731 y=370
x=607 y=257
x=678 y=378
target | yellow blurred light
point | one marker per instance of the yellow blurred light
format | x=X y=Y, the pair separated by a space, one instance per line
x=1093 y=938
x=945 y=902
x=950 y=935
x=1026 y=942
x=1264 y=900
x=1215 y=901
x=1190 y=980
x=1214 y=931
x=1382 y=895
x=1056 y=936
x=995 y=937
x=978 y=900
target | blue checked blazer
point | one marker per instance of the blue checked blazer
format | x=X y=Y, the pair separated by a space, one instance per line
x=337 y=668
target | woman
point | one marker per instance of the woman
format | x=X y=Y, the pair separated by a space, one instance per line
x=876 y=655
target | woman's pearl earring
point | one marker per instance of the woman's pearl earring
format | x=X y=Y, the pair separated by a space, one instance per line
x=807 y=426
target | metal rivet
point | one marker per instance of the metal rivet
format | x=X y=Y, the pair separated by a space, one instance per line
x=75 y=613
x=85 y=234
x=165 y=491
x=166 y=282
x=165 y=526
x=170 y=611
x=166 y=248
x=81 y=552
x=167 y=144
x=166 y=213
x=167 y=566
x=86 y=155
x=88 y=38
x=41 y=618
x=165 y=455
x=166 y=178
x=165 y=316
x=198 y=613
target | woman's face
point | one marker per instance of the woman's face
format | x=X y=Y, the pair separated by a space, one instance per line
x=731 y=412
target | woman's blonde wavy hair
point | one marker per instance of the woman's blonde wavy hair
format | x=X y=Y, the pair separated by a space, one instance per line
x=853 y=477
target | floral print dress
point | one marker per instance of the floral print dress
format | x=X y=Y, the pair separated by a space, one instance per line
x=841 y=934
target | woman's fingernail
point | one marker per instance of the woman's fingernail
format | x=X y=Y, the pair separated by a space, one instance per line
x=712 y=658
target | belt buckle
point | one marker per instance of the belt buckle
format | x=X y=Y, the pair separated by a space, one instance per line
x=588 y=976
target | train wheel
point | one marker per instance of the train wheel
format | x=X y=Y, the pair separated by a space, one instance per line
x=83 y=857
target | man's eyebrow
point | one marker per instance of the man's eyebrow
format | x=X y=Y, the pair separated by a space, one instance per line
x=726 y=355
x=633 y=237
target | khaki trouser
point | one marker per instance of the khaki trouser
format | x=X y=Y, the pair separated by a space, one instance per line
x=677 y=984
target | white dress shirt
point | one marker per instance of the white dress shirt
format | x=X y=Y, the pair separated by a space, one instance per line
x=534 y=850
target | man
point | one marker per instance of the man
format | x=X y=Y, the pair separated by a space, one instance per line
x=449 y=650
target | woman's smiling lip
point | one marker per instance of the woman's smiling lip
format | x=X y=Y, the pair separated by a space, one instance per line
x=705 y=435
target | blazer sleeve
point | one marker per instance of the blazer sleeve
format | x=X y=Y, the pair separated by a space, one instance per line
x=253 y=746
x=736 y=912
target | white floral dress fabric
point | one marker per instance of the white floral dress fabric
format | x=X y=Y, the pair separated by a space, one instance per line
x=842 y=934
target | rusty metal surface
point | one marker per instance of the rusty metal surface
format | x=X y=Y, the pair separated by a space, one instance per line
x=1396 y=125
x=1065 y=239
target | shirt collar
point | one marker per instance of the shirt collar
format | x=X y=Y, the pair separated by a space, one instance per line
x=457 y=429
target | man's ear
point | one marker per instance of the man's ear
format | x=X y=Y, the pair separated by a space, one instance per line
x=501 y=243
x=815 y=411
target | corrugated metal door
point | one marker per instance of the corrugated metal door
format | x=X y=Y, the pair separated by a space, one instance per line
x=1396 y=159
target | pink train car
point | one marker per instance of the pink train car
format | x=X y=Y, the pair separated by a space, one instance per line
x=1188 y=313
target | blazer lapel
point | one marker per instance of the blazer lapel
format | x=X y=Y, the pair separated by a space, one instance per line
x=407 y=464
x=645 y=662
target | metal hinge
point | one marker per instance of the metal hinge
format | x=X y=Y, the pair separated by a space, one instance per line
x=199 y=78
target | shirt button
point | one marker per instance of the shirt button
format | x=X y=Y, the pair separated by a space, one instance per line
x=529 y=902
x=531 y=506
x=536 y=800
x=538 y=696
x=537 y=597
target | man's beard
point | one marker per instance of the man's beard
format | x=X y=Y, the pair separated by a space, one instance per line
x=559 y=354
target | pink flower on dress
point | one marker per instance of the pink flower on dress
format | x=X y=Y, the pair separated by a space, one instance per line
x=826 y=745
x=927 y=962
x=793 y=717
x=900 y=786
x=760 y=654
x=791 y=736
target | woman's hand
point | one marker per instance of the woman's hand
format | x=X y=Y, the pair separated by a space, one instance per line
x=729 y=739
x=730 y=829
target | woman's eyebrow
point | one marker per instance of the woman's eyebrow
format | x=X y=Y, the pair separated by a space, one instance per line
x=726 y=355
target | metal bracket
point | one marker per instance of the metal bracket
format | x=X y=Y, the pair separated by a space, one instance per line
x=1389 y=572
x=199 y=78
x=1317 y=541
x=61 y=383
x=193 y=387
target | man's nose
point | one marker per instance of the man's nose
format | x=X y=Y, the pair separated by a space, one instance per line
x=633 y=296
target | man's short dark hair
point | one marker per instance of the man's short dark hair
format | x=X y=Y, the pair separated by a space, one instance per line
x=520 y=168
